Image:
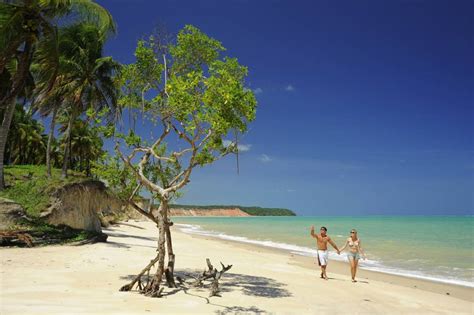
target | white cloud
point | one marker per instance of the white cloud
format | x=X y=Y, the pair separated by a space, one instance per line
x=264 y=158
x=242 y=147
x=290 y=190
x=289 y=88
x=258 y=91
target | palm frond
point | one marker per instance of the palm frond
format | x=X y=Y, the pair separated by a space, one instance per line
x=91 y=12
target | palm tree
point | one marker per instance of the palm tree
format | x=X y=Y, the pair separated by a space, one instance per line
x=24 y=25
x=27 y=143
x=85 y=145
x=86 y=78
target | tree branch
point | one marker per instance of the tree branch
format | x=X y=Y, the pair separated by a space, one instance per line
x=186 y=173
x=146 y=214
x=182 y=134
x=139 y=173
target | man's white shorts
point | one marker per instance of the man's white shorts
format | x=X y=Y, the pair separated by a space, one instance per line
x=323 y=257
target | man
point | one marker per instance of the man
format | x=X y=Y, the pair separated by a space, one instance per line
x=322 y=241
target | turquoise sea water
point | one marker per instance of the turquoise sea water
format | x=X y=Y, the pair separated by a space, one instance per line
x=431 y=247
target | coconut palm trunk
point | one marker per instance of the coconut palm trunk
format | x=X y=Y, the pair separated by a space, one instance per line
x=8 y=100
x=7 y=119
x=50 y=141
x=67 y=149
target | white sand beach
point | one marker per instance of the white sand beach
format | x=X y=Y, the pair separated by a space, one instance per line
x=86 y=280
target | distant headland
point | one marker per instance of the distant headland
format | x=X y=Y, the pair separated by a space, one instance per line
x=227 y=210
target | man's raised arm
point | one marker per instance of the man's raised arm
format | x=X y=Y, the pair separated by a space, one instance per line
x=312 y=232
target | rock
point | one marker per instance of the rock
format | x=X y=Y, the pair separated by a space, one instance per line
x=10 y=213
x=79 y=205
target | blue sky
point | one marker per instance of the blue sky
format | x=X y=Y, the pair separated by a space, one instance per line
x=365 y=107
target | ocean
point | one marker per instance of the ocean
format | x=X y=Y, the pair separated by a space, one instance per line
x=438 y=248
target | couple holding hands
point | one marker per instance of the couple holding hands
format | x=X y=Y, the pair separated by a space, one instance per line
x=352 y=242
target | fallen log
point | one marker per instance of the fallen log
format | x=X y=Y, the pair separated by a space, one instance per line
x=17 y=235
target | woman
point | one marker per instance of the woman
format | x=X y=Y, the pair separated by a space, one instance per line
x=355 y=249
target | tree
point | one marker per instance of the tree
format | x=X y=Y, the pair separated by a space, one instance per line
x=86 y=146
x=27 y=143
x=88 y=77
x=191 y=98
x=24 y=24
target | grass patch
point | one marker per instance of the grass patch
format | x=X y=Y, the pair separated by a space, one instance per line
x=45 y=234
x=29 y=186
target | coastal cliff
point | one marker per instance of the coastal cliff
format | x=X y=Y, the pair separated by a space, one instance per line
x=39 y=204
x=81 y=206
x=229 y=212
x=84 y=204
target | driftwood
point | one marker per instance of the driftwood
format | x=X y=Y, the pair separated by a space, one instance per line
x=17 y=235
x=143 y=282
x=211 y=273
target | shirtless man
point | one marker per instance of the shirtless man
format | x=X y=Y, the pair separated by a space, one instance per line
x=322 y=241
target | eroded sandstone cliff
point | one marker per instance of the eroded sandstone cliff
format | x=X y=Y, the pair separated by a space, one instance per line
x=80 y=205
x=225 y=212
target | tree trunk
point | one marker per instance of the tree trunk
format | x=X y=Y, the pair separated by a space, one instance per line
x=8 y=101
x=88 y=168
x=153 y=287
x=169 y=272
x=7 y=119
x=50 y=140
x=67 y=147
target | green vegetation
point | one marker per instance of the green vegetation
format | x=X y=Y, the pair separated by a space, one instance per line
x=45 y=234
x=193 y=96
x=268 y=211
x=31 y=188
x=31 y=58
x=26 y=141
x=256 y=211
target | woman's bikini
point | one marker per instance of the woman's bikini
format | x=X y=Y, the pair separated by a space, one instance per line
x=353 y=245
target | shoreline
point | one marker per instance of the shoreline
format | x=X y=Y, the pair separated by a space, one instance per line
x=304 y=251
x=71 y=279
x=342 y=269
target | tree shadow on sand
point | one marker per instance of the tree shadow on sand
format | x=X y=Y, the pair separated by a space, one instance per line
x=126 y=245
x=240 y=310
x=254 y=286
x=248 y=285
x=123 y=235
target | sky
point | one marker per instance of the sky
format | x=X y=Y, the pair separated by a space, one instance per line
x=364 y=107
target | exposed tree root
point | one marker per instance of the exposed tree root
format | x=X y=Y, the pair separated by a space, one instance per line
x=17 y=235
x=153 y=288
x=138 y=278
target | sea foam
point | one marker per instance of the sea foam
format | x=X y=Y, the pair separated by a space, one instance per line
x=369 y=264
